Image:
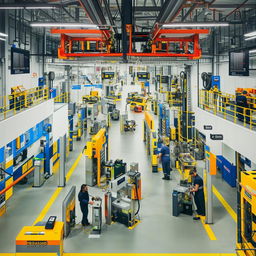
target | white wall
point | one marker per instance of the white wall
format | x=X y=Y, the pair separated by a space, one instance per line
x=237 y=137
x=14 y=126
x=229 y=153
x=27 y=80
x=60 y=121
x=230 y=83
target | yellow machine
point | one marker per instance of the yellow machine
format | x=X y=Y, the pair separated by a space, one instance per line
x=96 y=152
x=137 y=101
x=18 y=97
x=246 y=216
x=186 y=162
x=92 y=98
x=37 y=239
x=150 y=138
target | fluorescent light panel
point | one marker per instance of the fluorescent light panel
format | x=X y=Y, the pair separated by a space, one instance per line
x=250 y=34
x=25 y=7
x=250 y=38
x=252 y=51
x=3 y=34
x=63 y=25
x=199 y=24
x=2 y=39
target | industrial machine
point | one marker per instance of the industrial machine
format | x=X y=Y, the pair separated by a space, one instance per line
x=186 y=162
x=125 y=124
x=246 y=226
x=115 y=114
x=125 y=193
x=96 y=215
x=114 y=169
x=39 y=178
x=137 y=109
x=108 y=82
x=150 y=139
x=137 y=101
x=37 y=239
x=181 y=201
x=69 y=211
x=96 y=152
x=81 y=123
x=93 y=97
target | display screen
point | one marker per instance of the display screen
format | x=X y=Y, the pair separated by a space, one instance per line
x=239 y=63
x=143 y=75
x=19 y=61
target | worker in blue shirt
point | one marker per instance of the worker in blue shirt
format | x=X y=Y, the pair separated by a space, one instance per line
x=198 y=190
x=164 y=157
x=242 y=107
x=84 y=200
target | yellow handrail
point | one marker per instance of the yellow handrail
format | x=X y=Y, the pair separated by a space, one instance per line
x=16 y=102
x=224 y=105
x=62 y=98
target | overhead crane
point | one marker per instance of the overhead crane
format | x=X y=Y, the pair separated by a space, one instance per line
x=163 y=43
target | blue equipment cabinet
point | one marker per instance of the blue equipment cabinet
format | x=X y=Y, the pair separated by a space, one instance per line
x=228 y=170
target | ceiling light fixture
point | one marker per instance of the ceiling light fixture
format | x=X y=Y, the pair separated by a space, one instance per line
x=250 y=38
x=197 y=24
x=252 y=51
x=3 y=34
x=2 y=39
x=250 y=34
x=26 y=7
x=38 y=24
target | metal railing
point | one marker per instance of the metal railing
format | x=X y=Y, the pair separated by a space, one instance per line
x=224 y=105
x=17 y=102
x=62 y=98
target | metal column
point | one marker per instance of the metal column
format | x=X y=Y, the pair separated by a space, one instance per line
x=62 y=171
x=209 y=216
x=126 y=9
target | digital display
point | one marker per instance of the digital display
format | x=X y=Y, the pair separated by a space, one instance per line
x=143 y=75
x=20 y=63
x=239 y=63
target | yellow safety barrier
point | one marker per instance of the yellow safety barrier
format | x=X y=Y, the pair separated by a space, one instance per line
x=224 y=105
x=62 y=98
x=16 y=102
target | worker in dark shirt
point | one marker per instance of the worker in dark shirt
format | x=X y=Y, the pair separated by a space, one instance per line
x=84 y=200
x=198 y=190
x=164 y=156
x=242 y=104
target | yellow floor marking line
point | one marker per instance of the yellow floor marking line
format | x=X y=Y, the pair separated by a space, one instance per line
x=56 y=192
x=71 y=170
x=224 y=203
x=208 y=229
x=149 y=254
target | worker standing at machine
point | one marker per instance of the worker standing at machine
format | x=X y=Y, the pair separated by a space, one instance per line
x=164 y=157
x=241 y=102
x=84 y=200
x=198 y=190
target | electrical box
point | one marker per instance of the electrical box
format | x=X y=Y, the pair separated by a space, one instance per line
x=215 y=80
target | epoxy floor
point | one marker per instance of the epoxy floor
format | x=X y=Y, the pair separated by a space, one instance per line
x=158 y=232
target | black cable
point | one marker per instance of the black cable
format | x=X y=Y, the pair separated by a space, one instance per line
x=137 y=194
x=206 y=80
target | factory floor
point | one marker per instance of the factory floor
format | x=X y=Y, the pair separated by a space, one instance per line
x=158 y=231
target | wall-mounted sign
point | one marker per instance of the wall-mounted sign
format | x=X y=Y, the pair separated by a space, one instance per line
x=216 y=136
x=76 y=87
x=207 y=127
